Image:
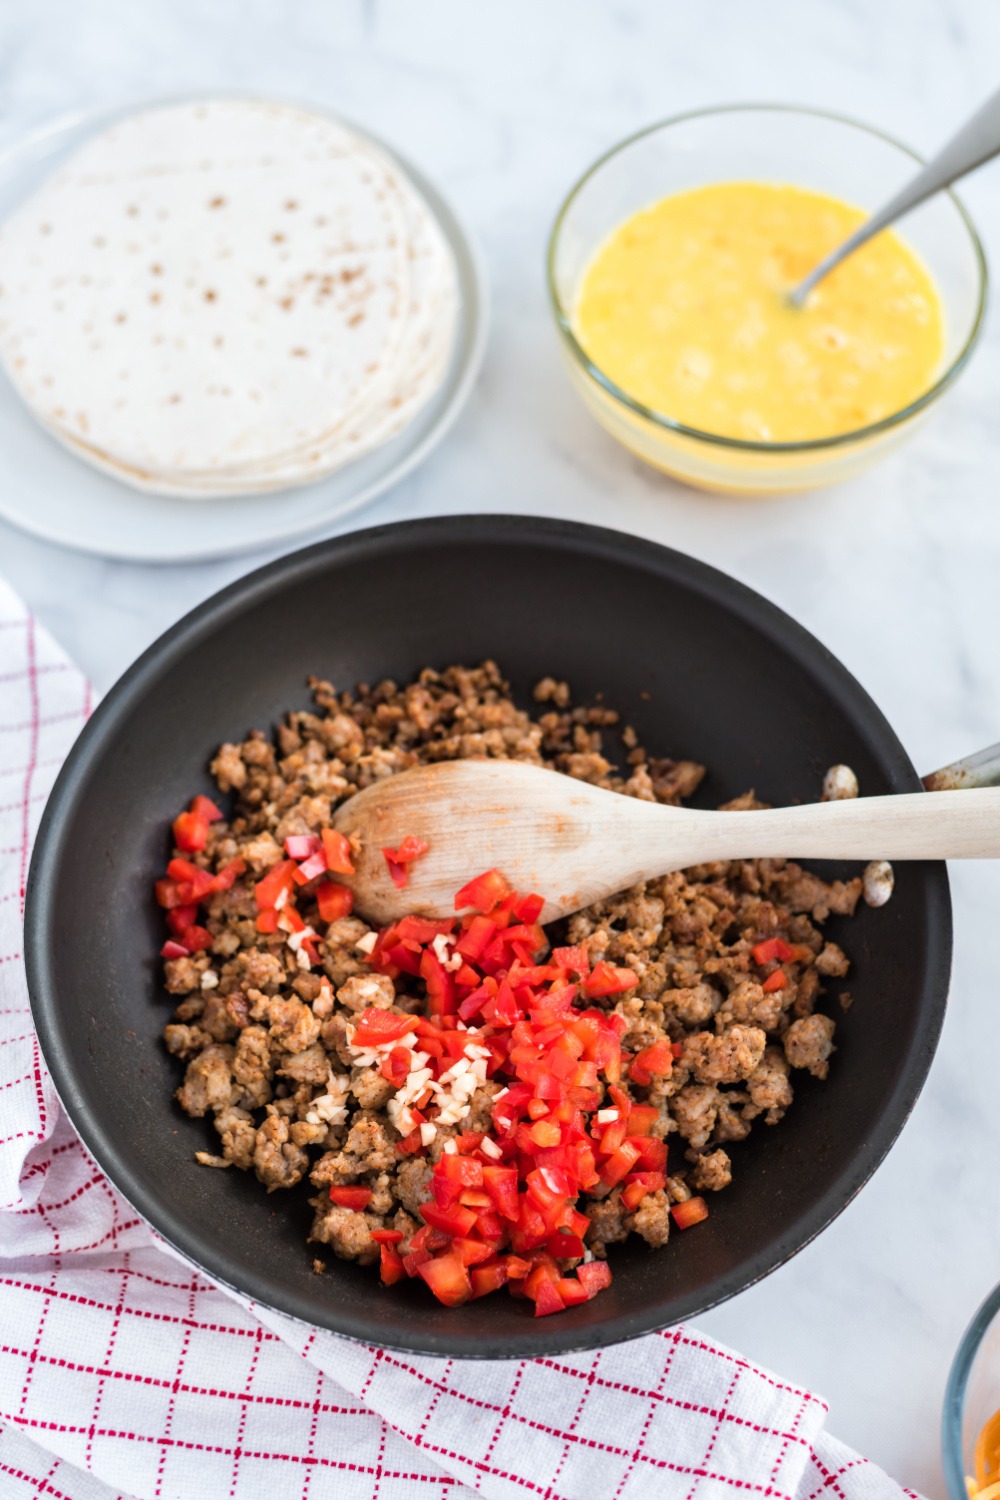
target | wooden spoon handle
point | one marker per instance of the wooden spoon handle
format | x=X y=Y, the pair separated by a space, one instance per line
x=948 y=825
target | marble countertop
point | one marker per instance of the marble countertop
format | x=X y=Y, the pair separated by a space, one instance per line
x=504 y=104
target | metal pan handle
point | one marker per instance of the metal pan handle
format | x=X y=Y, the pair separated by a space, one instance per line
x=981 y=769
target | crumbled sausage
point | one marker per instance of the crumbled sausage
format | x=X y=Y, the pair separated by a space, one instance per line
x=809 y=1042
x=832 y=960
x=348 y=1233
x=652 y=1218
x=607 y=1219
x=208 y=1082
x=711 y=1172
x=278 y=1162
x=265 y=1038
x=365 y=991
x=695 y=1109
x=727 y=1058
x=182 y=975
x=293 y=1025
x=769 y=1087
x=183 y=1041
x=239 y=1135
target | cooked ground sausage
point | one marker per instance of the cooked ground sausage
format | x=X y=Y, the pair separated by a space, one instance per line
x=266 y=1037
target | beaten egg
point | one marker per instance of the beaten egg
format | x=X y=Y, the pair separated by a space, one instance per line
x=684 y=308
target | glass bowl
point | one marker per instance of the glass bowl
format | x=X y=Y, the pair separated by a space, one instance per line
x=763 y=143
x=972 y=1397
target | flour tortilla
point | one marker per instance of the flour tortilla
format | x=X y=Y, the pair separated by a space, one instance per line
x=207 y=287
x=422 y=360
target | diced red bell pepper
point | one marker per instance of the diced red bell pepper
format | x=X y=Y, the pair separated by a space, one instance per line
x=227 y=876
x=280 y=877
x=565 y=1246
x=638 y=1185
x=351 y=1197
x=391 y=1268
x=691 y=1212
x=453 y=1174
x=517 y=1268
x=772 y=949
x=642 y=1118
x=572 y=1291
x=652 y=1152
x=473 y=1252
x=337 y=847
x=167 y=893
x=456 y=1221
x=776 y=981
x=489 y=1226
x=423 y=929
x=303 y=845
x=501 y=1184
x=612 y=1136
x=181 y=917
x=483 y=893
x=574 y=960
x=651 y=1062
x=505 y=1007
x=172 y=949
x=476 y=937
x=495 y=957
x=290 y=917
x=334 y=901
x=196 y=939
x=533 y=936
x=528 y=908
x=594 y=1275
x=397 y=860
x=546 y=1133
x=430 y=1239
x=576 y=1222
x=440 y=984
x=204 y=807
x=190 y=832
x=620 y=1164
x=387 y=1236
x=488 y=1277
x=414 y=1260
x=267 y=921
x=378 y=1026
x=396 y=1065
x=605 y=979
x=193 y=883
x=411 y=1144
x=311 y=868
x=477 y=1199
x=410 y=848
x=448 y=1279
x=547 y=1299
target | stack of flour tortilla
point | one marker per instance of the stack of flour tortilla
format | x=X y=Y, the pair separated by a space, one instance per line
x=226 y=297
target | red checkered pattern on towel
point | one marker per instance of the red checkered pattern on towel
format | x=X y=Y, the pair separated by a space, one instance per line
x=125 y=1372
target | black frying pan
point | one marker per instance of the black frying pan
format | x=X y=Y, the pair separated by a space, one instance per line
x=700 y=665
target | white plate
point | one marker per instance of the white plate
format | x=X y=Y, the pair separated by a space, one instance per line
x=46 y=490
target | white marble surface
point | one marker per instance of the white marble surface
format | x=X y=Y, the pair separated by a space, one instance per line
x=505 y=101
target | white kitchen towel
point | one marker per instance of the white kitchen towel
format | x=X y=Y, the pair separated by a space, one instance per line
x=126 y=1372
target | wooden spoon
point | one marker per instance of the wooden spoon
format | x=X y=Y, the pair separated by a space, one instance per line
x=575 y=844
